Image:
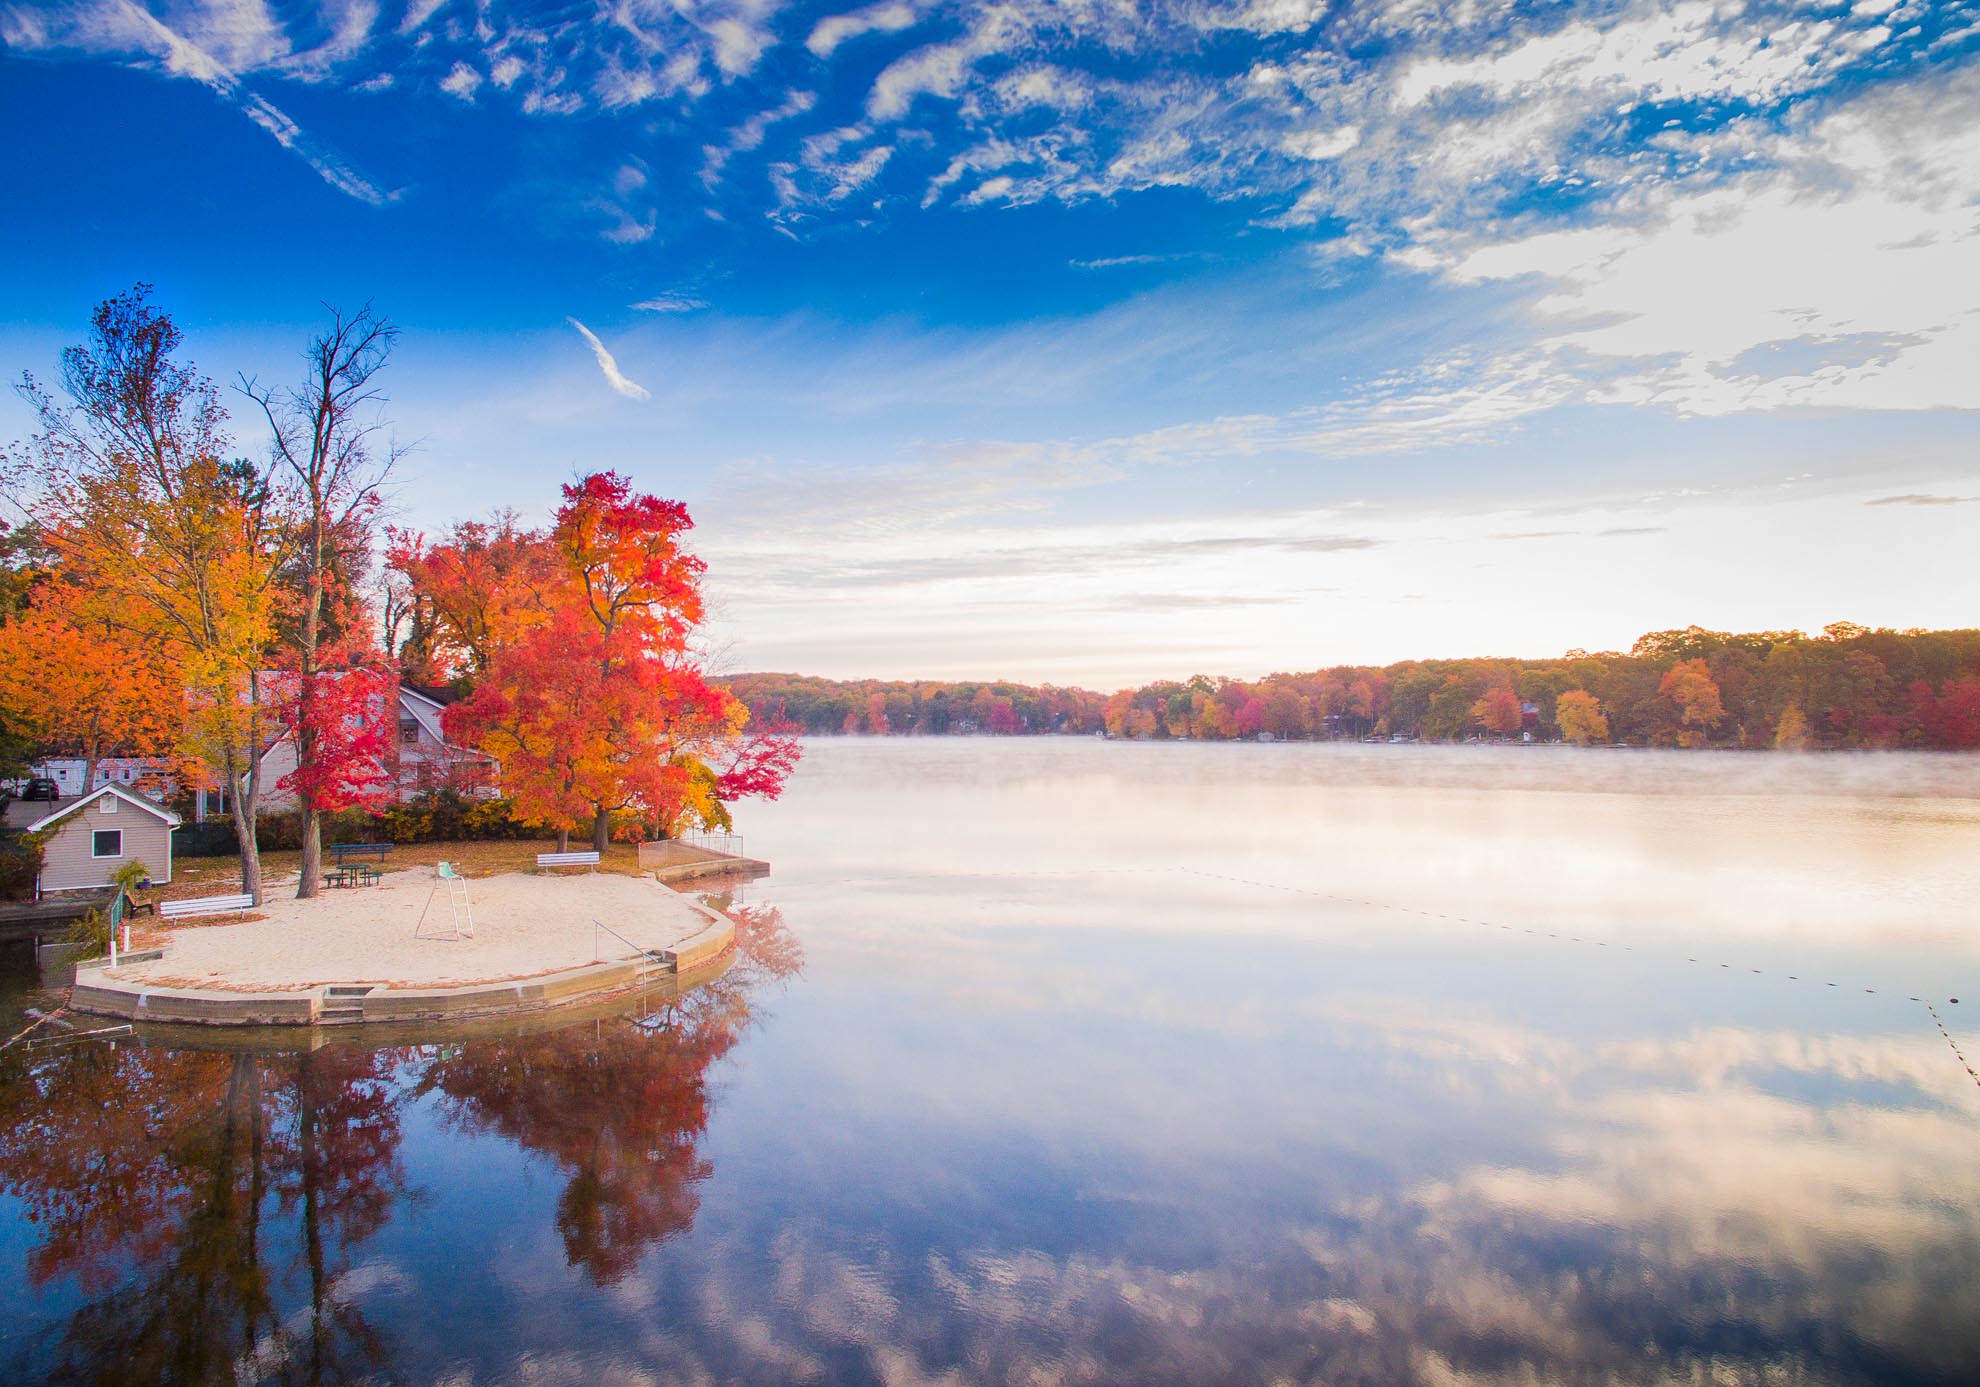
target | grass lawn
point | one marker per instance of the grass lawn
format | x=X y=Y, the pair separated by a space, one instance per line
x=220 y=876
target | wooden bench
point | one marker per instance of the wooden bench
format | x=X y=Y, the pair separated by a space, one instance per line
x=205 y=905
x=566 y=859
x=343 y=852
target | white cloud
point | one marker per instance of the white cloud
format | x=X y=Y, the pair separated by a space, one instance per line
x=242 y=34
x=505 y=72
x=417 y=13
x=614 y=377
x=1321 y=144
x=1265 y=16
x=750 y=134
x=737 y=45
x=940 y=69
x=461 y=82
x=1850 y=278
x=671 y=303
x=836 y=29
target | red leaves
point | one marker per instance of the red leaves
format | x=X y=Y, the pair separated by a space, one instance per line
x=585 y=688
x=345 y=715
x=760 y=762
x=1952 y=719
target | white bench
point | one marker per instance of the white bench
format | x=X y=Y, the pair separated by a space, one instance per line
x=204 y=905
x=566 y=859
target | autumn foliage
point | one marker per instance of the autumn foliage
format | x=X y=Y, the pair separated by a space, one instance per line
x=1848 y=686
x=574 y=647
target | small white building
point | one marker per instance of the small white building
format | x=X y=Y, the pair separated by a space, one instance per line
x=144 y=774
x=88 y=839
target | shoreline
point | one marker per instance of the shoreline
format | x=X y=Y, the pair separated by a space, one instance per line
x=355 y=1000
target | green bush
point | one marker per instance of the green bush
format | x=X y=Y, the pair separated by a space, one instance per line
x=90 y=934
x=20 y=864
x=445 y=817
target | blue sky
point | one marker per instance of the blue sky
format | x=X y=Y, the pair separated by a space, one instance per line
x=1090 y=341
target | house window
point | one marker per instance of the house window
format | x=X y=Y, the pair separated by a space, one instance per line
x=109 y=804
x=107 y=842
x=408 y=734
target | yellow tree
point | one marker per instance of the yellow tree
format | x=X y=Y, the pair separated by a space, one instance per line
x=1581 y=719
x=131 y=484
x=1690 y=685
x=1791 y=732
x=72 y=677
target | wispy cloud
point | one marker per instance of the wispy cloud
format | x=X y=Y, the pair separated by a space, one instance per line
x=241 y=37
x=671 y=303
x=836 y=29
x=609 y=365
x=1921 y=499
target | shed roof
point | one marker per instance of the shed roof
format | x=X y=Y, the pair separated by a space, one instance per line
x=137 y=800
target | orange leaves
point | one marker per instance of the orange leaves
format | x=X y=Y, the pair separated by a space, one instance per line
x=585 y=688
x=1690 y=685
x=69 y=677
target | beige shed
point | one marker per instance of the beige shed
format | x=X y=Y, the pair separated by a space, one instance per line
x=86 y=840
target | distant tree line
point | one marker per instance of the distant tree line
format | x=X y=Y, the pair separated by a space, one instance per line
x=1850 y=686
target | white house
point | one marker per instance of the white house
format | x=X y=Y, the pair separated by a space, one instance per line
x=420 y=762
x=84 y=842
x=143 y=774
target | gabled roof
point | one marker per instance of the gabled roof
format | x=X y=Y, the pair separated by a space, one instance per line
x=138 y=801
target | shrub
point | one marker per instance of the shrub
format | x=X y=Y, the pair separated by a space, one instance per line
x=20 y=865
x=442 y=817
x=90 y=934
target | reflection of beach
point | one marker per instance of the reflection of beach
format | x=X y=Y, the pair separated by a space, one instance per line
x=192 y=1196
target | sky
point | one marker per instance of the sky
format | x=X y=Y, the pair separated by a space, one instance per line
x=1087 y=342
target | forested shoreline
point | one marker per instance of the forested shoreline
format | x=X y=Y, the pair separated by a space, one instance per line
x=1849 y=686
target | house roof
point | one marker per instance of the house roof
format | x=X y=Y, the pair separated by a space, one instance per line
x=73 y=805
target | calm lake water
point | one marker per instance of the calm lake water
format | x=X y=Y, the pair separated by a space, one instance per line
x=1054 y=1061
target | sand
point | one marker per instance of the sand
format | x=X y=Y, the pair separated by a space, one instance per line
x=524 y=925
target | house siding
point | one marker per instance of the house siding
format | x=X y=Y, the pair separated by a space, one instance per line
x=66 y=862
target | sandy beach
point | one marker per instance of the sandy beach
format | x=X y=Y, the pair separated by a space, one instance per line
x=524 y=925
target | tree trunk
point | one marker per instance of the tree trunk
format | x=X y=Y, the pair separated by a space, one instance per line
x=563 y=840
x=312 y=852
x=310 y=881
x=601 y=830
x=241 y=808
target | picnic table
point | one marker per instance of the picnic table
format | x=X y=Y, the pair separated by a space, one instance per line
x=352 y=876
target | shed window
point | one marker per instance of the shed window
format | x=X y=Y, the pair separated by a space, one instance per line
x=107 y=842
x=108 y=805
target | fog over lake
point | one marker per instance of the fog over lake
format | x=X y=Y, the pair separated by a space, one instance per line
x=1064 y=1060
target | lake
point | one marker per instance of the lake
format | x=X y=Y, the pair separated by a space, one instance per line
x=1070 y=1061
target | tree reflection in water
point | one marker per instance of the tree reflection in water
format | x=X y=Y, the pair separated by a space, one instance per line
x=208 y=1206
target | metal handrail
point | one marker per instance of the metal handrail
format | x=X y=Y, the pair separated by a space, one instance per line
x=598 y=924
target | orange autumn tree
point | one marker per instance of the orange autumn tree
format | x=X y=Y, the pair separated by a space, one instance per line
x=584 y=684
x=72 y=677
x=129 y=479
x=1690 y=685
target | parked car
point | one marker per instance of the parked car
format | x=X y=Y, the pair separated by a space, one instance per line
x=41 y=789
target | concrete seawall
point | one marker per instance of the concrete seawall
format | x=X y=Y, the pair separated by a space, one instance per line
x=664 y=971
